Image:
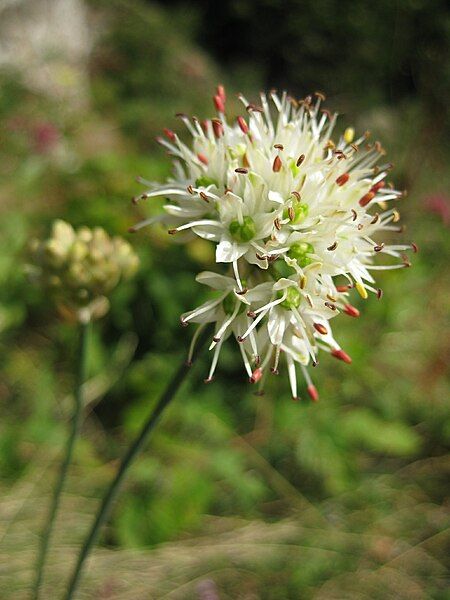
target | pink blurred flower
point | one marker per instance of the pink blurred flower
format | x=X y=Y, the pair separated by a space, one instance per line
x=45 y=137
x=440 y=205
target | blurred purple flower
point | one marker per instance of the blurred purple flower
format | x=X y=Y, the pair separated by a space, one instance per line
x=440 y=205
x=45 y=136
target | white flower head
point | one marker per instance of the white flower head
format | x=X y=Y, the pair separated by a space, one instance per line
x=291 y=210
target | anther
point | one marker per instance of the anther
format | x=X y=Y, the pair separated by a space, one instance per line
x=342 y=179
x=320 y=328
x=204 y=197
x=332 y=247
x=414 y=247
x=300 y=159
x=379 y=293
x=296 y=194
x=172 y=231
x=242 y=124
x=361 y=290
x=375 y=219
x=277 y=164
x=379 y=247
x=242 y=292
x=217 y=127
x=208 y=380
x=330 y=305
x=351 y=311
x=251 y=314
x=190 y=189
x=202 y=158
x=241 y=170
x=342 y=288
x=364 y=201
x=375 y=188
x=406 y=262
x=221 y=92
x=354 y=214
x=169 y=134
x=256 y=375
x=341 y=355
x=291 y=213
x=219 y=104
x=395 y=216
x=313 y=393
x=320 y=95
x=279 y=146
x=277 y=224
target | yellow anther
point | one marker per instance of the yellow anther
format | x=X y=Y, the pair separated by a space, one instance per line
x=302 y=282
x=349 y=134
x=382 y=204
x=361 y=290
x=395 y=216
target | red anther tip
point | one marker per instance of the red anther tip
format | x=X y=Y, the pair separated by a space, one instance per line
x=342 y=288
x=202 y=158
x=377 y=186
x=277 y=164
x=221 y=92
x=242 y=124
x=351 y=311
x=240 y=339
x=217 y=128
x=169 y=134
x=256 y=375
x=341 y=355
x=131 y=229
x=415 y=247
x=219 y=104
x=342 y=179
x=364 y=201
x=313 y=393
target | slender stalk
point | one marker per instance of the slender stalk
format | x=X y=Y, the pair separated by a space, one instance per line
x=131 y=454
x=56 y=498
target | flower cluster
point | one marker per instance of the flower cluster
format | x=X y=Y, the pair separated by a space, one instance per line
x=81 y=268
x=293 y=213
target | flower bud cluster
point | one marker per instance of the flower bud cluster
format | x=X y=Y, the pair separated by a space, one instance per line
x=81 y=267
x=293 y=212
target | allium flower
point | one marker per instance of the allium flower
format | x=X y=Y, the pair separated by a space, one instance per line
x=292 y=211
x=81 y=268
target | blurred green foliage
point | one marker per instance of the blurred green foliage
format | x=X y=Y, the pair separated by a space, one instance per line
x=362 y=473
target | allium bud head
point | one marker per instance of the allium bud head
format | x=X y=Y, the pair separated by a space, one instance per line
x=80 y=268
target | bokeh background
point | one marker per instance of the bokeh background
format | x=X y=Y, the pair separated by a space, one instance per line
x=237 y=496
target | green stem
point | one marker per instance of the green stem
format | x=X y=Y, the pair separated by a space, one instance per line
x=131 y=454
x=56 y=498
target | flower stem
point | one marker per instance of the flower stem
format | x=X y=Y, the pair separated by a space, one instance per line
x=131 y=454
x=56 y=498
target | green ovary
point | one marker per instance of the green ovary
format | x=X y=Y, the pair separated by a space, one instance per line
x=204 y=181
x=293 y=297
x=301 y=211
x=243 y=232
x=300 y=253
x=229 y=305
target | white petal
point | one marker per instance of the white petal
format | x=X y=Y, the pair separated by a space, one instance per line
x=228 y=251
x=275 y=197
x=215 y=281
x=276 y=325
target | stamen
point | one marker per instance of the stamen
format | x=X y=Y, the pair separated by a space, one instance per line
x=300 y=159
x=341 y=355
x=277 y=164
x=342 y=179
x=351 y=311
x=242 y=124
x=320 y=328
